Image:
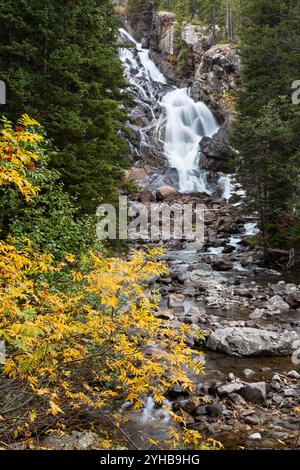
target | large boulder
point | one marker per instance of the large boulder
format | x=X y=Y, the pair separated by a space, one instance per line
x=216 y=153
x=165 y=191
x=215 y=79
x=277 y=303
x=237 y=341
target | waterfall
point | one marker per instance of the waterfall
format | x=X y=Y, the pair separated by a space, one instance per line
x=186 y=123
x=182 y=122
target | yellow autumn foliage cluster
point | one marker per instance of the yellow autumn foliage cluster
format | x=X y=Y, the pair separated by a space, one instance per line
x=18 y=154
x=94 y=344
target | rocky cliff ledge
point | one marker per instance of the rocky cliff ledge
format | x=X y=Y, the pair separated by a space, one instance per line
x=187 y=54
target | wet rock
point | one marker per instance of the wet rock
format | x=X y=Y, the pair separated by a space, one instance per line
x=216 y=152
x=294 y=374
x=215 y=410
x=176 y=300
x=290 y=392
x=276 y=378
x=257 y=314
x=228 y=389
x=237 y=341
x=221 y=264
x=255 y=437
x=201 y=411
x=177 y=391
x=277 y=303
x=252 y=420
x=254 y=392
x=248 y=372
x=293 y=299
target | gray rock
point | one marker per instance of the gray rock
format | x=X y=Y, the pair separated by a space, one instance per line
x=248 y=372
x=229 y=388
x=201 y=411
x=165 y=315
x=293 y=299
x=253 y=420
x=254 y=392
x=277 y=303
x=176 y=300
x=215 y=410
x=278 y=399
x=276 y=378
x=255 y=437
x=290 y=392
x=294 y=374
x=237 y=341
x=257 y=314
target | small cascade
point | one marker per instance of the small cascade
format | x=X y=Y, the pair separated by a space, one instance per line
x=151 y=413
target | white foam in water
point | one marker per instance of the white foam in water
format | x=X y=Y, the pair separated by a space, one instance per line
x=235 y=242
x=187 y=123
x=238 y=267
x=150 y=413
x=251 y=229
x=216 y=251
x=225 y=183
x=149 y=70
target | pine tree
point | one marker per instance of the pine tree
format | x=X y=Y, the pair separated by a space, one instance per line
x=266 y=128
x=59 y=61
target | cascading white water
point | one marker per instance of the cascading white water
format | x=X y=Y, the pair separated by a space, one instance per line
x=148 y=69
x=186 y=123
x=183 y=122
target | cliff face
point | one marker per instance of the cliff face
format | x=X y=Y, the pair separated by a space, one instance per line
x=188 y=55
x=137 y=16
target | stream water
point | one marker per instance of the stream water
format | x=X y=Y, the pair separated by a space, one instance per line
x=178 y=124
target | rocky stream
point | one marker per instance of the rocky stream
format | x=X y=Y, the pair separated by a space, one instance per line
x=250 y=314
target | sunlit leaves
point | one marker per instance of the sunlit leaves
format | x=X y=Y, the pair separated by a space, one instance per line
x=18 y=154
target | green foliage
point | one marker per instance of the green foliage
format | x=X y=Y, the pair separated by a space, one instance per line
x=222 y=13
x=49 y=220
x=266 y=129
x=59 y=61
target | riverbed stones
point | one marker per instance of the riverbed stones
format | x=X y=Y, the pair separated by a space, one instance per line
x=253 y=392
